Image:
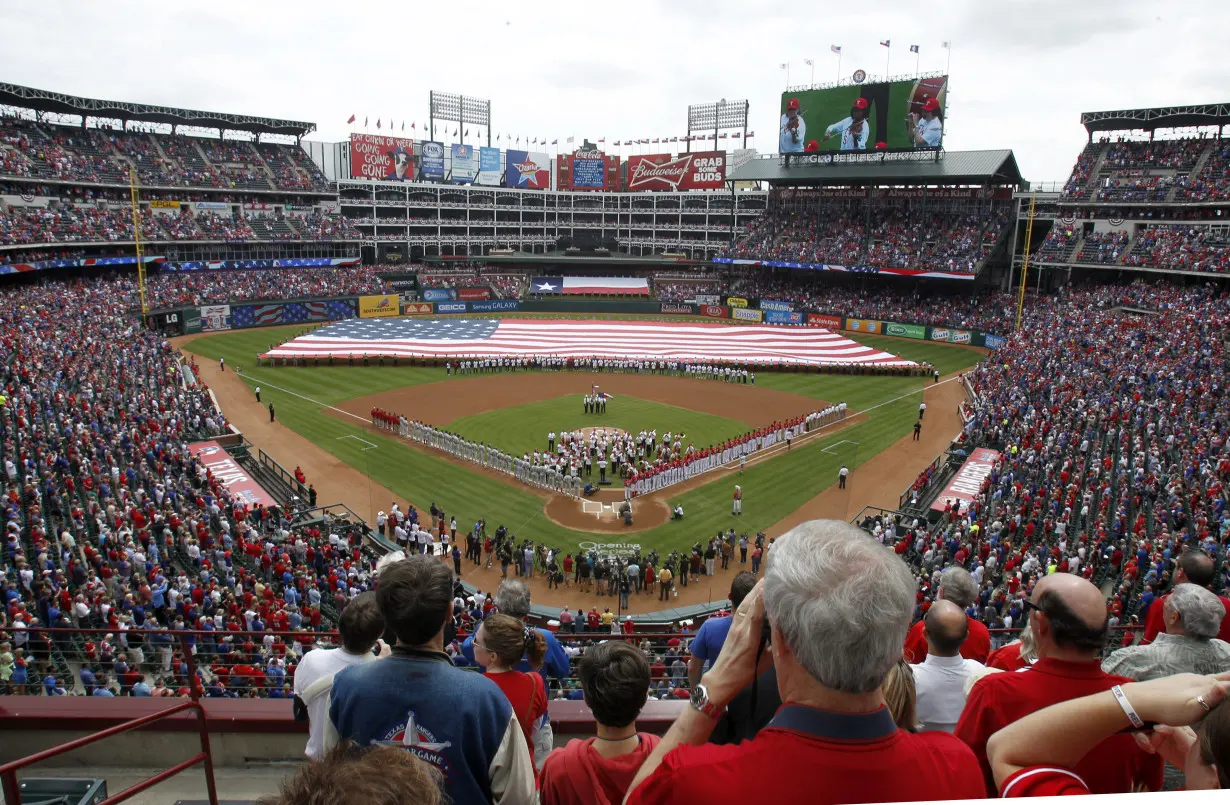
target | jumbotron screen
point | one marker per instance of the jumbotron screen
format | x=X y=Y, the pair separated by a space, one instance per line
x=865 y=117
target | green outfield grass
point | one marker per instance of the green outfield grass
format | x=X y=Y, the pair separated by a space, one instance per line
x=524 y=428
x=772 y=489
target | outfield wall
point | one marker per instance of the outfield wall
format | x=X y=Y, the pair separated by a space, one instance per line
x=219 y=318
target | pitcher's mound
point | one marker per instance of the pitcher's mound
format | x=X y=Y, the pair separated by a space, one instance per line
x=600 y=513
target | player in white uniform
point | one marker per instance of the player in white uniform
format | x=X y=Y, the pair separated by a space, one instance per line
x=792 y=132
x=854 y=130
x=928 y=127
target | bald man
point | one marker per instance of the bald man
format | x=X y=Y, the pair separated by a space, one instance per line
x=1193 y=567
x=940 y=679
x=955 y=585
x=1068 y=617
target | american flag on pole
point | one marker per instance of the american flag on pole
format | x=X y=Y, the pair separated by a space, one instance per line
x=516 y=338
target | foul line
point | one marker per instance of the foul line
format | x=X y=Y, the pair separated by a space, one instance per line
x=370 y=446
x=835 y=444
x=309 y=399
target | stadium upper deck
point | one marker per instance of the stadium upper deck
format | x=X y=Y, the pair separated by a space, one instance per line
x=1149 y=193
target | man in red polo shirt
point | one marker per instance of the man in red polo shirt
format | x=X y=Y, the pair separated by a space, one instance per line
x=1194 y=567
x=1069 y=624
x=956 y=585
x=839 y=604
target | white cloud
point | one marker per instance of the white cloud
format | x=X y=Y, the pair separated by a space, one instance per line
x=1022 y=72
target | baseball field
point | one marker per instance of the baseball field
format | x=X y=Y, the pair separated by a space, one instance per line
x=322 y=424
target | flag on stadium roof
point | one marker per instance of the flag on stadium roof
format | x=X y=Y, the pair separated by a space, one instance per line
x=602 y=139
x=946 y=45
x=365 y=122
x=570 y=140
x=377 y=122
x=887 y=43
x=751 y=134
x=617 y=143
x=412 y=125
x=403 y=125
x=351 y=120
x=555 y=141
x=836 y=49
x=913 y=48
x=467 y=132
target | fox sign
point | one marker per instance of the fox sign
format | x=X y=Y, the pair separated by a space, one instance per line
x=704 y=170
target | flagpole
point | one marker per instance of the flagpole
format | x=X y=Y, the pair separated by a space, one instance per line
x=948 y=66
x=917 y=58
x=839 y=65
x=887 y=60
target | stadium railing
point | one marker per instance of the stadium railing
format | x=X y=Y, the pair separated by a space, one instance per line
x=12 y=789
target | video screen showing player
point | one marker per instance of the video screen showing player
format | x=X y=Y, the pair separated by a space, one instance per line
x=793 y=130
x=854 y=130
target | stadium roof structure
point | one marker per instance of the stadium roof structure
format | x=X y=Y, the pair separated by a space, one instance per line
x=590 y=259
x=58 y=103
x=1161 y=117
x=944 y=168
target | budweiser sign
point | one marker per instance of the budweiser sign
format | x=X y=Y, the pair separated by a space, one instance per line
x=699 y=171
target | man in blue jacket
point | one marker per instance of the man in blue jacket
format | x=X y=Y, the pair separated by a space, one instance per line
x=458 y=721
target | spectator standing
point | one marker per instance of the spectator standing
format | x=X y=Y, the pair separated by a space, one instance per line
x=955 y=585
x=458 y=721
x=839 y=605
x=841 y=476
x=359 y=626
x=351 y=775
x=499 y=644
x=941 y=678
x=707 y=644
x=1069 y=623
x=1193 y=567
x=615 y=681
x=1192 y=616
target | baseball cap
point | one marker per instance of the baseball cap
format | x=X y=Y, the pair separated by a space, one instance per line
x=812 y=145
x=793 y=103
x=931 y=105
x=882 y=146
x=860 y=103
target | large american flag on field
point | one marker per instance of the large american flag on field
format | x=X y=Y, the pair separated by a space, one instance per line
x=487 y=338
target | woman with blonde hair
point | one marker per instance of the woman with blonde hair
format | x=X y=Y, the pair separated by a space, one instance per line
x=499 y=645
x=902 y=696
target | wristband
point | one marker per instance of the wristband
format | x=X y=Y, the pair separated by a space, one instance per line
x=1128 y=710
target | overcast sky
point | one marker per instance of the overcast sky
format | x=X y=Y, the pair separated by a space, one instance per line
x=1021 y=72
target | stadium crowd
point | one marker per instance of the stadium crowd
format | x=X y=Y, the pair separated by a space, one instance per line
x=178 y=288
x=99 y=155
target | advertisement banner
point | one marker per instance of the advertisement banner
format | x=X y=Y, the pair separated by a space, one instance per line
x=416 y=308
x=993 y=341
x=161 y=204
x=961 y=336
x=471 y=294
x=736 y=301
x=940 y=334
x=704 y=170
x=489 y=172
x=967 y=483
x=227 y=472
x=384 y=306
x=212 y=205
x=215 y=317
x=783 y=317
x=773 y=304
x=745 y=314
x=450 y=307
x=496 y=305
x=431 y=159
x=706 y=299
x=465 y=164
x=587 y=169
x=439 y=295
x=862 y=326
x=858 y=117
x=740 y=157
x=375 y=157
x=677 y=307
x=715 y=311
x=817 y=320
x=904 y=330
x=529 y=170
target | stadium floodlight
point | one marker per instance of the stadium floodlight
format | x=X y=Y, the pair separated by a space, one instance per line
x=460 y=109
x=714 y=117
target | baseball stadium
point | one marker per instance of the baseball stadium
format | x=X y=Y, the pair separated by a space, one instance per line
x=585 y=467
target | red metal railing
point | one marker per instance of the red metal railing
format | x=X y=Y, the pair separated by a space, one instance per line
x=8 y=772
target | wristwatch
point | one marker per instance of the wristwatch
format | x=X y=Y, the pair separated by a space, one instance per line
x=700 y=701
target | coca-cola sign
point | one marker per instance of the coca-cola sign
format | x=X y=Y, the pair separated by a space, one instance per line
x=704 y=170
x=582 y=153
